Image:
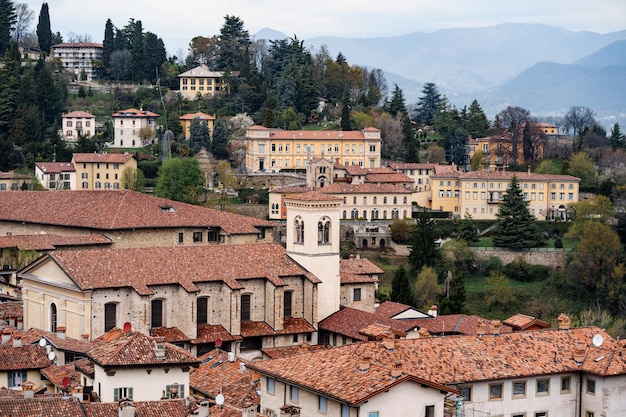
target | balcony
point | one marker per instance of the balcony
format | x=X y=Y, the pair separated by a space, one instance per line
x=494 y=200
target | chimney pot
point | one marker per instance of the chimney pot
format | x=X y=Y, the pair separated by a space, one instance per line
x=564 y=321
x=364 y=363
x=17 y=340
x=396 y=370
x=495 y=327
x=61 y=332
x=481 y=328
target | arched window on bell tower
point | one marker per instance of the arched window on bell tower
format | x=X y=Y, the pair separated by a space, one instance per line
x=323 y=231
x=299 y=230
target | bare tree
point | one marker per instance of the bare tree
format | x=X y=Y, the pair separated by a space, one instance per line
x=79 y=38
x=577 y=118
x=24 y=17
x=513 y=119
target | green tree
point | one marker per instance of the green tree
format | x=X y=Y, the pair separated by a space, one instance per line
x=397 y=104
x=219 y=144
x=501 y=295
x=44 y=33
x=477 y=124
x=154 y=55
x=232 y=42
x=85 y=145
x=424 y=250
x=428 y=104
x=617 y=137
x=515 y=226
x=400 y=231
x=180 y=179
x=138 y=54
x=108 y=44
x=8 y=18
x=596 y=208
x=199 y=135
x=547 y=167
x=400 y=288
x=597 y=264
x=451 y=300
x=133 y=179
x=426 y=288
x=581 y=165
x=468 y=229
x=477 y=161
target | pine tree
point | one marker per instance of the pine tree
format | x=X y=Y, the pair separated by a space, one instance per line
x=616 y=138
x=428 y=104
x=515 y=226
x=477 y=124
x=8 y=17
x=219 y=143
x=467 y=229
x=108 y=44
x=199 y=135
x=423 y=245
x=400 y=287
x=397 y=104
x=44 y=33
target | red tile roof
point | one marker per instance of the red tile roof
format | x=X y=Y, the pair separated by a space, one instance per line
x=58 y=374
x=349 y=322
x=391 y=178
x=523 y=322
x=256 y=328
x=34 y=407
x=358 y=270
x=117 y=210
x=208 y=333
x=169 y=408
x=55 y=167
x=23 y=357
x=134 y=113
x=11 y=309
x=51 y=241
x=183 y=265
x=78 y=113
x=313 y=195
x=447 y=360
x=504 y=176
x=281 y=352
x=170 y=334
x=137 y=349
x=409 y=165
x=217 y=375
x=293 y=325
x=314 y=135
x=65 y=344
x=340 y=188
x=111 y=158
x=198 y=115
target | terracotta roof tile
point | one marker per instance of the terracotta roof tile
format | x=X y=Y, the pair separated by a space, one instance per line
x=447 y=360
x=111 y=158
x=169 y=408
x=314 y=135
x=216 y=374
x=170 y=334
x=184 y=265
x=523 y=322
x=256 y=328
x=368 y=188
x=109 y=210
x=58 y=374
x=281 y=352
x=134 y=113
x=10 y=393
x=137 y=349
x=23 y=357
x=362 y=270
x=377 y=331
x=11 y=309
x=85 y=366
x=55 y=167
x=78 y=113
x=50 y=241
x=209 y=333
x=504 y=176
x=409 y=165
x=313 y=195
x=197 y=115
x=349 y=321
x=53 y=406
x=295 y=325
x=65 y=344
x=390 y=178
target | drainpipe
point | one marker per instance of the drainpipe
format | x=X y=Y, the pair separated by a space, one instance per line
x=580 y=394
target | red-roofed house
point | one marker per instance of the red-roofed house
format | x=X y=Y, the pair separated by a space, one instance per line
x=101 y=171
x=186 y=119
x=359 y=282
x=56 y=175
x=77 y=123
x=134 y=128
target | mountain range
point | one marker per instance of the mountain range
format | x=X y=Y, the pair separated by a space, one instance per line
x=544 y=69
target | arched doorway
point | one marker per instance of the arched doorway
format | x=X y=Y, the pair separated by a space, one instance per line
x=364 y=245
x=382 y=243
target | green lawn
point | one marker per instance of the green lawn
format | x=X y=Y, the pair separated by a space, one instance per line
x=487 y=242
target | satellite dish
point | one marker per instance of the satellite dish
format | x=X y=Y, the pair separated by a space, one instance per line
x=127 y=327
x=219 y=399
x=42 y=342
x=218 y=343
x=48 y=348
x=66 y=381
x=51 y=356
x=597 y=340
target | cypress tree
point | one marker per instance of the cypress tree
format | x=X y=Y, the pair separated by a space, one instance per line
x=198 y=135
x=108 y=44
x=424 y=249
x=44 y=33
x=8 y=18
x=220 y=140
x=137 y=53
x=515 y=226
x=400 y=287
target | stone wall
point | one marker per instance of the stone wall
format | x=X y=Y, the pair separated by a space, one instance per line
x=553 y=258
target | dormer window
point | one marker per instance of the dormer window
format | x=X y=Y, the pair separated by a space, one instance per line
x=168 y=209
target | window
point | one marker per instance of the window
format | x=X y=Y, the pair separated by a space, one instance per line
x=495 y=391
x=566 y=383
x=156 y=318
x=197 y=237
x=519 y=389
x=271 y=386
x=245 y=307
x=110 y=316
x=591 y=386
x=299 y=226
x=356 y=294
x=16 y=378
x=323 y=231
x=429 y=411
x=543 y=387
x=589 y=414
x=213 y=236
x=466 y=393
x=85 y=185
x=53 y=318
x=175 y=391
x=293 y=393
x=119 y=393
x=373 y=414
x=181 y=237
x=287 y=304
x=322 y=404
x=345 y=410
x=541 y=414
x=202 y=310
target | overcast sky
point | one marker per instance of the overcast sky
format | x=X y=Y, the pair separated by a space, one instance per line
x=176 y=22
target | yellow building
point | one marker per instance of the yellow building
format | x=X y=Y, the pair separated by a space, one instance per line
x=479 y=193
x=498 y=148
x=101 y=171
x=10 y=180
x=200 y=81
x=277 y=149
x=185 y=122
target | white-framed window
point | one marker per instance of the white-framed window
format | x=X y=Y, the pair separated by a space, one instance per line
x=124 y=392
x=175 y=391
x=17 y=378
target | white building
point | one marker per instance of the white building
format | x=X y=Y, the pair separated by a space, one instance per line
x=78 y=57
x=134 y=128
x=76 y=123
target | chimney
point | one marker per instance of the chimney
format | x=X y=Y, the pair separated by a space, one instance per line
x=84 y=337
x=364 y=363
x=481 y=328
x=77 y=392
x=202 y=410
x=28 y=389
x=231 y=356
x=159 y=347
x=389 y=342
x=17 y=340
x=396 y=370
x=495 y=326
x=6 y=336
x=528 y=169
x=61 y=332
x=579 y=352
x=20 y=323
x=423 y=333
x=433 y=311
x=125 y=408
x=564 y=321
